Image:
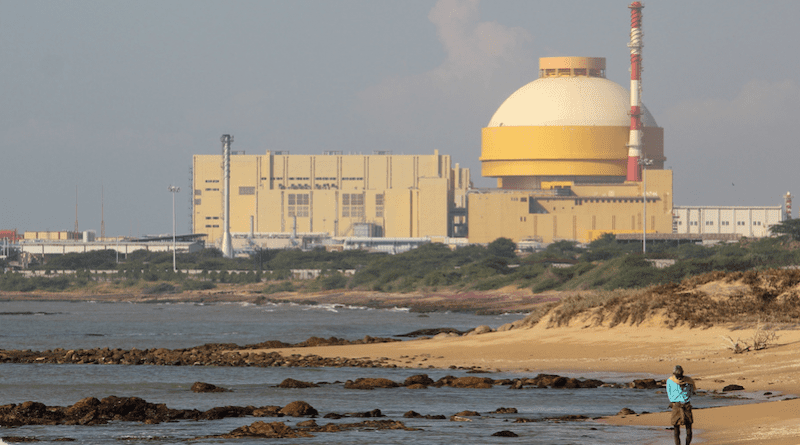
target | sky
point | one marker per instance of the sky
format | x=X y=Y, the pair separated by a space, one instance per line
x=109 y=100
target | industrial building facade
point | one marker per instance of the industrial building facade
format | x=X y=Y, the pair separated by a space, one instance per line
x=576 y=212
x=332 y=194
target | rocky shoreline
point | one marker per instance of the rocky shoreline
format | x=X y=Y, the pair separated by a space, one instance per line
x=92 y=411
x=212 y=354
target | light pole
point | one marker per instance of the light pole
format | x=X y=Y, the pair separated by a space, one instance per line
x=174 y=190
x=644 y=162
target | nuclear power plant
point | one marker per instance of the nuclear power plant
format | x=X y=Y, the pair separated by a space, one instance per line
x=575 y=156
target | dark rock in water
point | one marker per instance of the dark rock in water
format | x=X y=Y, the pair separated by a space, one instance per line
x=645 y=384
x=569 y=418
x=468 y=382
x=468 y=414
x=505 y=411
x=91 y=411
x=332 y=416
x=18 y=439
x=733 y=388
x=505 y=433
x=277 y=430
x=378 y=425
x=416 y=415
x=370 y=383
x=207 y=387
x=554 y=381
x=274 y=430
x=292 y=383
x=373 y=413
x=223 y=412
x=419 y=379
x=526 y=420
x=298 y=409
x=267 y=411
x=626 y=412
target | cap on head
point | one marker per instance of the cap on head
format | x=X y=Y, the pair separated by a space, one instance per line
x=678 y=370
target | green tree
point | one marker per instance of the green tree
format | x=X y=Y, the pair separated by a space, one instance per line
x=789 y=228
x=503 y=248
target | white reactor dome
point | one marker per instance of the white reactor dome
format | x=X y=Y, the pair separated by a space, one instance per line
x=571 y=124
x=574 y=100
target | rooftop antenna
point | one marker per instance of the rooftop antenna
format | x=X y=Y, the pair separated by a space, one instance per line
x=102 y=215
x=76 y=209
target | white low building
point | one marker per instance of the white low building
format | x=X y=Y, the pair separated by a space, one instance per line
x=751 y=222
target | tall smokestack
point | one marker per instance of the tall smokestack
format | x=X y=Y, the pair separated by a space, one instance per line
x=635 y=142
x=227 y=243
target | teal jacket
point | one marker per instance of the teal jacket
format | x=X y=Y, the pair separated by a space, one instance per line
x=680 y=390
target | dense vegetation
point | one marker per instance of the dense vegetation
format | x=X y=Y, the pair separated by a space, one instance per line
x=603 y=264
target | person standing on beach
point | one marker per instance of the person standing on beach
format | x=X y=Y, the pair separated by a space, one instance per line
x=680 y=389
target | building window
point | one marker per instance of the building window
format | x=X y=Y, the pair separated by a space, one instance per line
x=247 y=190
x=352 y=205
x=198 y=192
x=379 y=206
x=212 y=180
x=197 y=201
x=212 y=190
x=298 y=205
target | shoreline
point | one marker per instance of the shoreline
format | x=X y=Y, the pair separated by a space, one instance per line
x=500 y=301
x=648 y=348
x=626 y=349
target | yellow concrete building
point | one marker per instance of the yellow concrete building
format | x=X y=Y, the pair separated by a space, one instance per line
x=558 y=148
x=332 y=194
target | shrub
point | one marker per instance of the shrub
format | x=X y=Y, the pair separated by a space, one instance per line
x=189 y=285
x=283 y=286
x=161 y=288
x=334 y=280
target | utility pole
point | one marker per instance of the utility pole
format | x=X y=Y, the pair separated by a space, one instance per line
x=174 y=190
x=644 y=162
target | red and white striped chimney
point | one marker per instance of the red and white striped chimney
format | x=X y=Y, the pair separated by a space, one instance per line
x=635 y=141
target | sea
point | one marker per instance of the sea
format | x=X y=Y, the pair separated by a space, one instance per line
x=42 y=325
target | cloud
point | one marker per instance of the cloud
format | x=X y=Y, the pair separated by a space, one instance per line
x=484 y=62
x=747 y=140
x=758 y=103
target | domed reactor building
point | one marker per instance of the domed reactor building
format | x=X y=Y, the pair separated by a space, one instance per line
x=560 y=148
x=575 y=155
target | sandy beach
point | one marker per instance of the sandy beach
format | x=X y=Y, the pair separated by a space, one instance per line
x=638 y=349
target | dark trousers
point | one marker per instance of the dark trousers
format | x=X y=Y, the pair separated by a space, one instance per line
x=682 y=415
